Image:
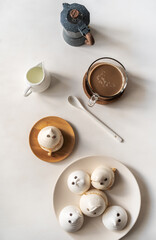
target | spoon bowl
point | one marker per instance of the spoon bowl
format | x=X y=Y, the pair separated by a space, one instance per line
x=75 y=102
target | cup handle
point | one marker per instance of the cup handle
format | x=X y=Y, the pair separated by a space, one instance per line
x=27 y=92
x=93 y=100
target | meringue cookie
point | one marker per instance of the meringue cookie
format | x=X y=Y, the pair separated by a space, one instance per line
x=71 y=218
x=78 y=182
x=115 y=218
x=103 y=177
x=93 y=203
x=50 y=139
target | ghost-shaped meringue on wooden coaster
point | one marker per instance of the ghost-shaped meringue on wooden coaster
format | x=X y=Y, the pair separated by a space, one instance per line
x=50 y=139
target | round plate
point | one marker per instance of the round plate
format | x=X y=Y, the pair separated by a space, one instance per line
x=125 y=192
x=68 y=135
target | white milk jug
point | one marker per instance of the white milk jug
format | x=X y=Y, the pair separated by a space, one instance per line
x=37 y=80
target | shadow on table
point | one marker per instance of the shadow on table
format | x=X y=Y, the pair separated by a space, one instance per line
x=135 y=94
x=58 y=82
x=110 y=37
x=145 y=206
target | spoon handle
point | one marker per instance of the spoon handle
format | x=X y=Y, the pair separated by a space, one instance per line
x=107 y=129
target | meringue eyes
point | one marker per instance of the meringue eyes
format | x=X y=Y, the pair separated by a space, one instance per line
x=70 y=214
x=93 y=213
x=101 y=183
x=52 y=136
x=118 y=214
x=74 y=178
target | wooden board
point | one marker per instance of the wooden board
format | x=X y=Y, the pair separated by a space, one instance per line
x=68 y=135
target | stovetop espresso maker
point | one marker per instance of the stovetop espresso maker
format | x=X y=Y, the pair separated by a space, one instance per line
x=75 y=19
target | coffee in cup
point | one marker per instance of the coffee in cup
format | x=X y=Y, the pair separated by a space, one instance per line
x=106 y=79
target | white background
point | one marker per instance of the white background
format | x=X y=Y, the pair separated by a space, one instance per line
x=30 y=32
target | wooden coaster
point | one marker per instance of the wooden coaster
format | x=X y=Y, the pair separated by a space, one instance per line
x=89 y=94
x=68 y=135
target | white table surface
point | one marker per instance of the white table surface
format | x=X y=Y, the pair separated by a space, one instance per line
x=30 y=32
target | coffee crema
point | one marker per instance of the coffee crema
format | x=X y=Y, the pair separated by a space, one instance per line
x=106 y=79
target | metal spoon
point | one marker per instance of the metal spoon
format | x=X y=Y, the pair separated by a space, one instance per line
x=77 y=104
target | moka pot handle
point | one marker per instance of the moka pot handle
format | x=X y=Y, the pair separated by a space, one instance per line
x=85 y=31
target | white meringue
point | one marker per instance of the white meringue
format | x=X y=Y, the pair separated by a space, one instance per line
x=93 y=203
x=115 y=218
x=50 y=139
x=103 y=177
x=78 y=182
x=71 y=218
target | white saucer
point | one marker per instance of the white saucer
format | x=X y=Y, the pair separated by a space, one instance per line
x=125 y=192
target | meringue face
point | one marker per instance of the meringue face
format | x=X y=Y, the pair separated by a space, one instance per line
x=71 y=219
x=115 y=218
x=50 y=138
x=102 y=178
x=93 y=203
x=78 y=182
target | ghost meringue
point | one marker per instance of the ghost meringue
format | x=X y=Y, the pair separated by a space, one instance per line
x=103 y=177
x=71 y=218
x=93 y=203
x=115 y=218
x=50 y=139
x=78 y=182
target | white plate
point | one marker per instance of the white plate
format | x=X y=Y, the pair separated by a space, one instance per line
x=125 y=192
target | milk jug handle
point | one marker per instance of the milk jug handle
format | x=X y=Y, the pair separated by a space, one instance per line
x=27 y=91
